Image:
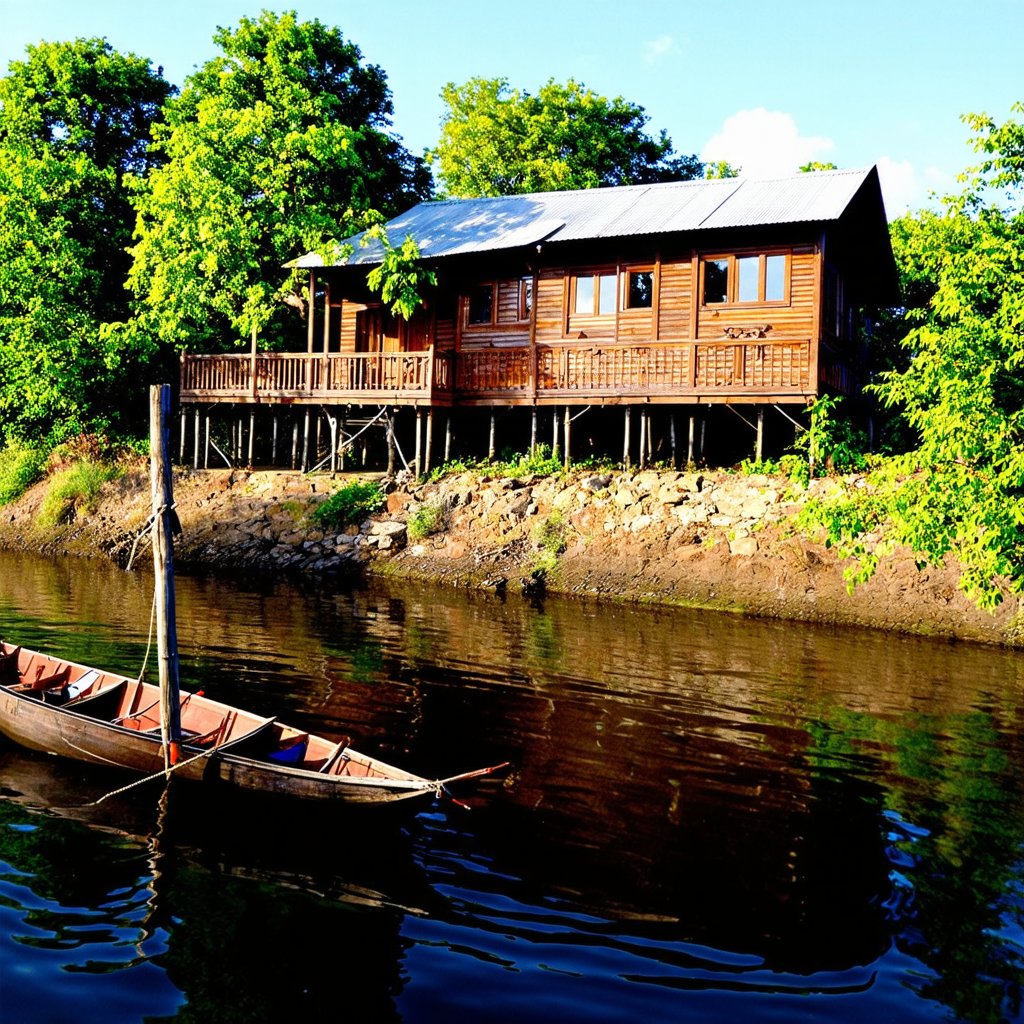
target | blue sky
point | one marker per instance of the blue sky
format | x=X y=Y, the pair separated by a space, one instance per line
x=767 y=86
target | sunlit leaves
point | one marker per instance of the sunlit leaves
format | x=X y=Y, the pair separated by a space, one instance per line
x=496 y=140
x=276 y=147
x=960 y=491
x=74 y=120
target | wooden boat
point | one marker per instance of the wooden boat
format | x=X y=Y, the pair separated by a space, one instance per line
x=74 y=711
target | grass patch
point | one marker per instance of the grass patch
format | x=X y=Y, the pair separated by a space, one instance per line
x=73 y=490
x=539 y=462
x=430 y=519
x=549 y=537
x=20 y=467
x=351 y=504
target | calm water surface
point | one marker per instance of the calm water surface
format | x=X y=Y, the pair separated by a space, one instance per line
x=709 y=819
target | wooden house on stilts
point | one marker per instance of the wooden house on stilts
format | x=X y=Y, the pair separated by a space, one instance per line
x=664 y=302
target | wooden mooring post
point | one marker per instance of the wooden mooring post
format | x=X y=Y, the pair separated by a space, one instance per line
x=165 y=522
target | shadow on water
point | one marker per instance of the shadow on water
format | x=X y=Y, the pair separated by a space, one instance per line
x=709 y=817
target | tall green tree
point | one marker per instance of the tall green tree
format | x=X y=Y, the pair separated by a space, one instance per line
x=74 y=124
x=279 y=145
x=496 y=140
x=960 y=491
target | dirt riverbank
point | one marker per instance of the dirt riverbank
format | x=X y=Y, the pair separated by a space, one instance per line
x=709 y=539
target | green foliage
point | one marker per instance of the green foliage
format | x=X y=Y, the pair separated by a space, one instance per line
x=72 y=490
x=20 y=467
x=428 y=520
x=539 y=462
x=276 y=146
x=960 y=491
x=721 y=169
x=549 y=537
x=551 y=533
x=496 y=140
x=74 y=122
x=830 y=443
x=400 y=278
x=817 y=165
x=350 y=504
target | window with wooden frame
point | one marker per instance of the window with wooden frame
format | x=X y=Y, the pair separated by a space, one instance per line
x=480 y=305
x=594 y=293
x=745 y=279
x=498 y=303
x=638 y=288
x=597 y=293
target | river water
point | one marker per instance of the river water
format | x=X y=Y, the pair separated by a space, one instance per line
x=708 y=818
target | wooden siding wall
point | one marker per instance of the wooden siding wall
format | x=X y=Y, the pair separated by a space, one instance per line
x=676 y=307
x=349 y=312
x=676 y=295
x=550 y=300
x=795 y=319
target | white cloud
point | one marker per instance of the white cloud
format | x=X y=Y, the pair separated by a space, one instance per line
x=764 y=143
x=658 y=48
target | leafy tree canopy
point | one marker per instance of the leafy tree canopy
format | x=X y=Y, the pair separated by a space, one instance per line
x=960 y=490
x=278 y=146
x=74 y=121
x=721 y=169
x=817 y=165
x=496 y=140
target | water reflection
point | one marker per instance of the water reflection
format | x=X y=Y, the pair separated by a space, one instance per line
x=708 y=816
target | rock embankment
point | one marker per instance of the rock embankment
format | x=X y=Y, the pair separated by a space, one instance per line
x=715 y=540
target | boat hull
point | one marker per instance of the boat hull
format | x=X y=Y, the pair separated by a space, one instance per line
x=110 y=721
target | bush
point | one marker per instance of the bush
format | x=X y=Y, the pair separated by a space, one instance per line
x=351 y=504
x=20 y=467
x=72 y=489
x=539 y=462
x=429 y=519
x=549 y=537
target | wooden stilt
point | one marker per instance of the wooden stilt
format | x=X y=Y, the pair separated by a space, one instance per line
x=295 y=443
x=448 y=437
x=390 y=428
x=252 y=436
x=568 y=422
x=643 y=436
x=418 y=446
x=703 y=429
x=318 y=446
x=273 y=441
x=533 y=430
x=305 y=443
x=341 y=440
x=759 y=445
x=333 y=421
x=555 y=445
x=650 y=438
x=672 y=438
x=198 y=429
x=206 y=452
x=184 y=427
x=627 y=420
x=429 y=442
x=490 y=439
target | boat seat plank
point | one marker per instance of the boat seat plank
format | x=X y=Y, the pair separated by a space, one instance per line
x=338 y=751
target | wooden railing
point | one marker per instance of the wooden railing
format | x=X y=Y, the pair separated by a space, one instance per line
x=682 y=369
x=290 y=375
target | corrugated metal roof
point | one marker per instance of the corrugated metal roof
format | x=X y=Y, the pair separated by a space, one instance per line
x=461 y=226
